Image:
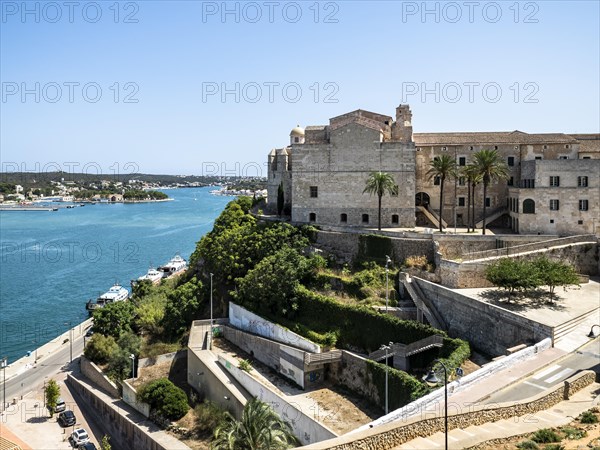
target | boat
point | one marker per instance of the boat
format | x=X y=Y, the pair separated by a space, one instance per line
x=116 y=293
x=175 y=266
x=153 y=275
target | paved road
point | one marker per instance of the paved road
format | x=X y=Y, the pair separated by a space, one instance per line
x=587 y=358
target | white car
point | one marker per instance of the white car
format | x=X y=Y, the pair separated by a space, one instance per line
x=78 y=437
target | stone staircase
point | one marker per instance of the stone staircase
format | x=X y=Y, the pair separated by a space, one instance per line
x=421 y=302
x=491 y=217
x=432 y=216
x=572 y=334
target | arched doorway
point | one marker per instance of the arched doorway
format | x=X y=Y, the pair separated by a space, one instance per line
x=422 y=199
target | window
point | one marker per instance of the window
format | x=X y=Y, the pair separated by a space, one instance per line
x=511 y=161
x=312 y=217
x=511 y=181
x=461 y=201
x=538 y=157
x=516 y=147
x=344 y=218
x=488 y=202
x=395 y=219
x=583 y=205
x=586 y=157
x=554 y=205
x=444 y=149
x=528 y=206
x=495 y=147
x=554 y=181
x=582 y=181
x=471 y=147
x=418 y=149
x=396 y=190
x=436 y=181
x=567 y=146
x=551 y=220
x=296 y=139
x=461 y=181
x=314 y=191
x=545 y=147
x=462 y=161
x=580 y=222
x=365 y=218
x=563 y=157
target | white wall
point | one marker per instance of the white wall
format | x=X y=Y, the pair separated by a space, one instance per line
x=245 y=320
x=304 y=427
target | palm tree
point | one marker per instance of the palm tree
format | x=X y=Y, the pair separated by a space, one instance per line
x=470 y=172
x=379 y=183
x=260 y=429
x=491 y=167
x=443 y=167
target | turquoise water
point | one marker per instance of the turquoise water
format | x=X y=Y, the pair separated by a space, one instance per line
x=51 y=263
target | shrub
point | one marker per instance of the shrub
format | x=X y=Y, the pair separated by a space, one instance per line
x=165 y=398
x=554 y=447
x=245 y=365
x=573 y=433
x=100 y=348
x=545 y=436
x=419 y=262
x=402 y=388
x=207 y=416
x=528 y=445
x=588 y=417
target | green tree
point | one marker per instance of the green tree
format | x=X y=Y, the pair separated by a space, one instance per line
x=105 y=444
x=491 y=167
x=100 y=348
x=260 y=429
x=555 y=273
x=280 y=199
x=119 y=362
x=380 y=183
x=114 y=319
x=150 y=312
x=52 y=393
x=513 y=275
x=165 y=398
x=182 y=306
x=442 y=167
x=141 y=289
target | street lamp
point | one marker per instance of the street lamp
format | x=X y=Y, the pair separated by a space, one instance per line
x=3 y=364
x=387 y=263
x=432 y=380
x=211 y=311
x=132 y=358
x=591 y=333
x=386 y=348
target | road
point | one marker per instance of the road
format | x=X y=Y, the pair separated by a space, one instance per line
x=586 y=358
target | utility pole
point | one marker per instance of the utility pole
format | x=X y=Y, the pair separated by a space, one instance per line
x=387 y=290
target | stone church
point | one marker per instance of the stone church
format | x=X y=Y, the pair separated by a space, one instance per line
x=324 y=170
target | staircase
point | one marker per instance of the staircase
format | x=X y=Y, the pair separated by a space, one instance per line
x=421 y=302
x=315 y=359
x=413 y=348
x=432 y=216
x=492 y=216
x=572 y=334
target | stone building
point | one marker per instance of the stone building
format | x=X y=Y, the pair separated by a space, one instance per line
x=324 y=169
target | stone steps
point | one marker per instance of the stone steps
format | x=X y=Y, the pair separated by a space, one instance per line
x=561 y=331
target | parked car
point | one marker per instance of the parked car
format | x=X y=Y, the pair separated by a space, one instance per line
x=87 y=446
x=90 y=332
x=67 y=418
x=79 y=437
x=60 y=406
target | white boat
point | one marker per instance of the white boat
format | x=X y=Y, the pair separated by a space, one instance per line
x=153 y=275
x=175 y=266
x=117 y=293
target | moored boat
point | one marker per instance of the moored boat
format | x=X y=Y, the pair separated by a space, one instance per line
x=175 y=266
x=116 y=293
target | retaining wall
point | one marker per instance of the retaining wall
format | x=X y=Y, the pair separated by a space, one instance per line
x=160 y=359
x=96 y=376
x=130 y=397
x=394 y=434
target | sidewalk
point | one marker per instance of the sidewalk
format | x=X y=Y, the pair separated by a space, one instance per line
x=559 y=415
x=27 y=362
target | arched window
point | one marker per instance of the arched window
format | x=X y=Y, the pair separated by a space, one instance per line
x=343 y=217
x=365 y=218
x=528 y=206
x=395 y=219
x=312 y=217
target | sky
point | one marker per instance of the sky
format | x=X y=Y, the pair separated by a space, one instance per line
x=209 y=88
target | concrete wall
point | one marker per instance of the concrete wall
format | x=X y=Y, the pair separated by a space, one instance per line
x=305 y=428
x=245 y=320
x=487 y=327
x=286 y=360
x=394 y=434
x=130 y=397
x=96 y=376
x=126 y=427
x=160 y=359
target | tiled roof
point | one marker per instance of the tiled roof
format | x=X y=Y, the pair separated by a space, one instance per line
x=499 y=137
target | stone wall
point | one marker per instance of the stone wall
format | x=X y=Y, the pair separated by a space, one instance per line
x=456 y=246
x=394 y=434
x=352 y=373
x=130 y=397
x=96 y=376
x=305 y=428
x=126 y=427
x=160 y=359
x=487 y=327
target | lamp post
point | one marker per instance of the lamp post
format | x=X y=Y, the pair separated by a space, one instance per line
x=591 y=333
x=386 y=348
x=432 y=380
x=211 y=311
x=132 y=358
x=4 y=362
x=387 y=290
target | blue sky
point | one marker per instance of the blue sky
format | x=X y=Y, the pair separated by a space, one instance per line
x=532 y=66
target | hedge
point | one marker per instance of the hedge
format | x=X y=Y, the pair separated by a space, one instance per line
x=402 y=387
